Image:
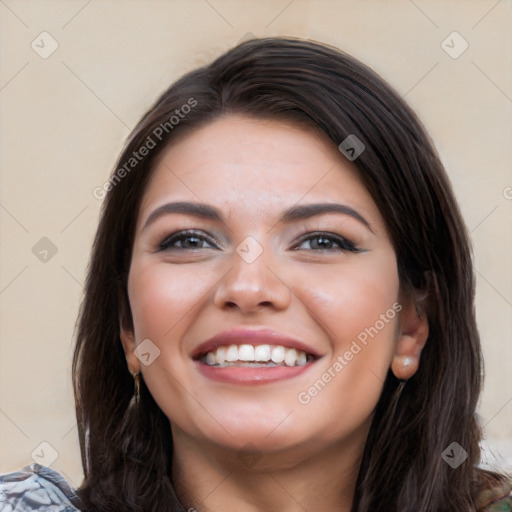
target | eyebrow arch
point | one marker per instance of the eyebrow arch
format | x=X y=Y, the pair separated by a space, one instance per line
x=306 y=211
x=294 y=213
x=200 y=210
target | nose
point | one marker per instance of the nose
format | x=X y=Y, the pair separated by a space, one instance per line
x=251 y=284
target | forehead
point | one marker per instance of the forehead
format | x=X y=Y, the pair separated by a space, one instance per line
x=259 y=165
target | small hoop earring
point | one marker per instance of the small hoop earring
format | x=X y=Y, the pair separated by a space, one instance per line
x=136 y=393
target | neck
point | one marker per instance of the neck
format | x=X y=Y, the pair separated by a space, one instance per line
x=210 y=478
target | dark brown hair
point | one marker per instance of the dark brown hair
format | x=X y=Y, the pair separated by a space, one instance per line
x=127 y=449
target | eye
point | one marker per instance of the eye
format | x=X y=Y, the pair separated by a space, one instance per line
x=189 y=240
x=328 y=242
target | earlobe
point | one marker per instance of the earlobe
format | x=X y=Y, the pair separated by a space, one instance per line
x=412 y=336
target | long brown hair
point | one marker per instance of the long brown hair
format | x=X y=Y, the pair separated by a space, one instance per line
x=127 y=448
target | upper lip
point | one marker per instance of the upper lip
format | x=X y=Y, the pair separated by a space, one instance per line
x=251 y=337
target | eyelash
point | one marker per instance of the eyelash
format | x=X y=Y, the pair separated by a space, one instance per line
x=344 y=244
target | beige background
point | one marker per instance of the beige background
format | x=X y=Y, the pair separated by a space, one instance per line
x=64 y=119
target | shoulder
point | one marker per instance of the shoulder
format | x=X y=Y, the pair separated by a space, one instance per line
x=497 y=499
x=36 y=487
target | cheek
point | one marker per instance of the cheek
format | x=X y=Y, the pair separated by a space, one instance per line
x=161 y=299
x=164 y=301
x=351 y=299
x=358 y=309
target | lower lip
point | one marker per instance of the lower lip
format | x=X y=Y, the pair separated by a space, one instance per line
x=251 y=376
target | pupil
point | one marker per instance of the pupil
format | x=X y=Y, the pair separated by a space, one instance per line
x=195 y=240
x=323 y=241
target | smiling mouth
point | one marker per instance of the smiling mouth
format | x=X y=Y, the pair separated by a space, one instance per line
x=259 y=356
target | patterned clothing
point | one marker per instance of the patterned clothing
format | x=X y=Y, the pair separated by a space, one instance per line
x=37 y=488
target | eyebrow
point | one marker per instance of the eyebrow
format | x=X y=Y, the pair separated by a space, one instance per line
x=294 y=213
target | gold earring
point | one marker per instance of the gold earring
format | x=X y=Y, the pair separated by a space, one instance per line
x=136 y=379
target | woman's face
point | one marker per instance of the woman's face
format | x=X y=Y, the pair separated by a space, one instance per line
x=326 y=280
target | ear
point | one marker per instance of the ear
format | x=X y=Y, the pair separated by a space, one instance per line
x=129 y=345
x=412 y=336
x=126 y=331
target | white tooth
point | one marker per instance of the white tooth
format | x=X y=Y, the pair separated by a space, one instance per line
x=211 y=359
x=221 y=355
x=290 y=356
x=232 y=353
x=278 y=354
x=262 y=353
x=246 y=353
x=301 y=358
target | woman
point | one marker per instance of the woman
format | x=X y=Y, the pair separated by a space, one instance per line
x=278 y=313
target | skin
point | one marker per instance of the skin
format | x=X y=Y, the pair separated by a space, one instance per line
x=306 y=456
